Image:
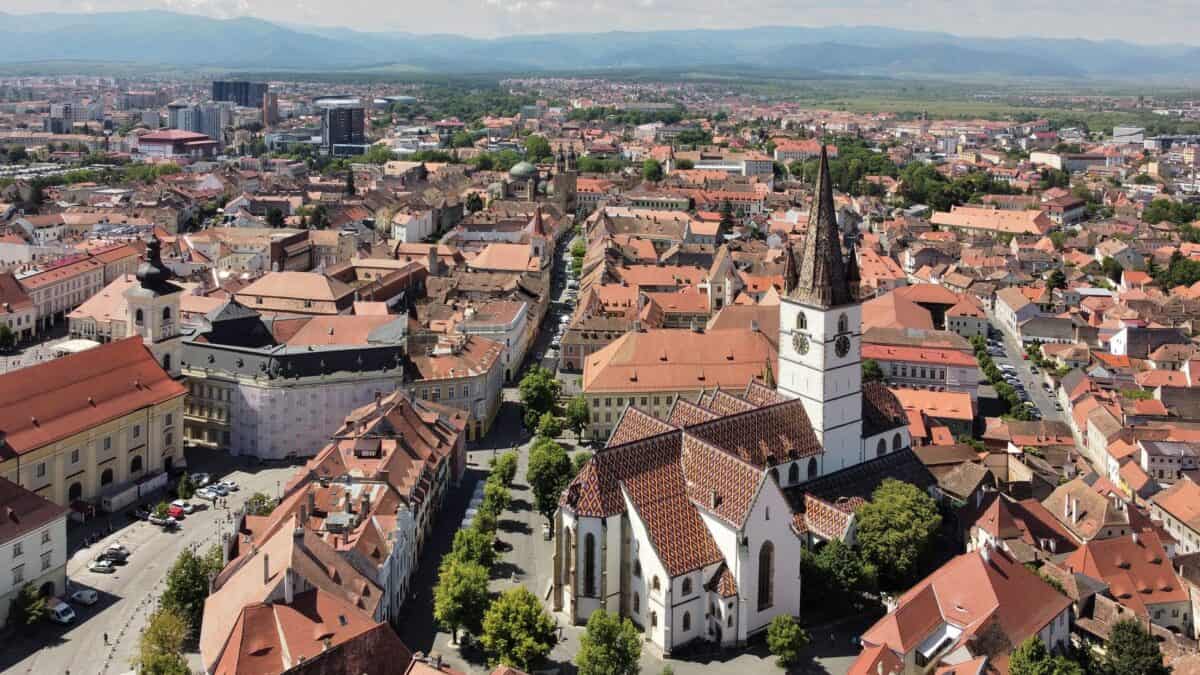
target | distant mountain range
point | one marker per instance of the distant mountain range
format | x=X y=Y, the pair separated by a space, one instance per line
x=161 y=38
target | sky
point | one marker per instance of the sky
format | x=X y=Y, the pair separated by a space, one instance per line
x=1163 y=21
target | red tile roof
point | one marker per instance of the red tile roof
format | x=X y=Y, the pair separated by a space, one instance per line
x=51 y=401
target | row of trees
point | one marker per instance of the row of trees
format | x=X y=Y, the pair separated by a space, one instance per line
x=176 y=622
x=1007 y=393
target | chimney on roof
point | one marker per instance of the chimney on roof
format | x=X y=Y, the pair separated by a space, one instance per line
x=289 y=587
x=1074 y=509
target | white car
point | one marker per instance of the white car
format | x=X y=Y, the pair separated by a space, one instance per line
x=218 y=489
x=229 y=485
x=102 y=566
x=186 y=506
x=84 y=596
x=205 y=494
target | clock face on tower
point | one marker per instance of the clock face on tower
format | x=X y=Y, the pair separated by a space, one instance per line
x=800 y=342
x=842 y=345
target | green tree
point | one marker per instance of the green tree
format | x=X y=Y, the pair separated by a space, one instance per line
x=462 y=139
x=319 y=218
x=517 y=631
x=896 y=531
x=187 y=584
x=836 y=576
x=537 y=148
x=1056 y=279
x=578 y=460
x=549 y=425
x=505 y=467
x=485 y=522
x=651 y=170
x=539 y=392
x=495 y=498
x=474 y=203
x=161 y=510
x=275 y=217
x=1032 y=658
x=548 y=474
x=8 y=339
x=726 y=224
x=1111 y=268
x=160 y=648
x=610 y=646
x=260 y=504
x=473 y=546
x=684 y=165
x=351 y=189
x=786 y=639
x=187 y=487
x=871 y=372
x=578 y=415
x=1131 y=650
x=460 y=597
x=27 y=609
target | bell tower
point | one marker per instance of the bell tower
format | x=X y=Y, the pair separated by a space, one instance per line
x=820 y=325
x=153 y=308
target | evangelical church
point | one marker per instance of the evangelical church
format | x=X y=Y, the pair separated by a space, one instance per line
x=692 y=525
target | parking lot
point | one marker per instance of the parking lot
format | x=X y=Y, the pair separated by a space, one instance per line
x=127 y=595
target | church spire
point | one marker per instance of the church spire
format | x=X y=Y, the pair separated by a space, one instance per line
x=821 y=279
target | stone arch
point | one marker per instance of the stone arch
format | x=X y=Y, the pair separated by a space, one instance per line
x=812 y=468
x=794 y=473
x=801 y=321
x=897 y=441
x=106 y=477
x=75 y=492
x=881 y=448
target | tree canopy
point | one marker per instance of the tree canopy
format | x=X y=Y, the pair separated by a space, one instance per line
x=160 y=648
x=461 y=595
x=1032 y=658
x=1131 y=650
x=549 y=473
x=539 y=391
x=786 y=639
x=187 y=584
x=517 y=631
x=611 y=645
x=896 y=531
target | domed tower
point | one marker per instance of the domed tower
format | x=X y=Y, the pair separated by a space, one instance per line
x=152 y=308
x=527 y=174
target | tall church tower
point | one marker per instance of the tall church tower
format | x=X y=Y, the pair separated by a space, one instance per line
x=820 y=324
x=153 y=308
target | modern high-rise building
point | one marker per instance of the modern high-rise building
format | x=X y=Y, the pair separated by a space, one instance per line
x=244 y=94
x=343 y=122
x=210 y=119
x=270 y=108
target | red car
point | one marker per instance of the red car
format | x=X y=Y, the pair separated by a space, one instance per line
x=175 y=512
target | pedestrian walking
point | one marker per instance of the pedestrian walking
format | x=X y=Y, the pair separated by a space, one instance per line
x=106 y=638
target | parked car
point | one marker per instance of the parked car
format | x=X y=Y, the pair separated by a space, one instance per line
x=85 y=596
x=229 y=485
x=205 y=494
x=201 y=479
x=59 y=611
x=175 y=512
x=219 y=489
x=102 y=565
x=184 y=505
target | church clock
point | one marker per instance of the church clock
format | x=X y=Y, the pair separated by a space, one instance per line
x=842 y=345
x=800 y=342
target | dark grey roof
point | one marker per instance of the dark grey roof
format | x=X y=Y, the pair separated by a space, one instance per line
x=822 y=279
x=861 y=480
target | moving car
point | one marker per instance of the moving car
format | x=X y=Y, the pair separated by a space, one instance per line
x=102 y=566
x=85 y=596
x=115 y=553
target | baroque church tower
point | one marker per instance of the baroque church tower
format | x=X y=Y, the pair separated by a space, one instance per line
x=153 y=308
x=820 y=325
